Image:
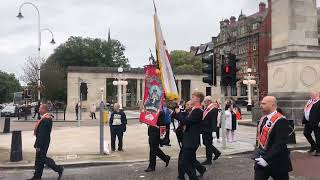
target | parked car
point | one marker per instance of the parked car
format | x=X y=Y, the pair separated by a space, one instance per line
x=9 y=111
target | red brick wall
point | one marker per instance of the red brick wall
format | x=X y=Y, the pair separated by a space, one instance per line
x=264 y=49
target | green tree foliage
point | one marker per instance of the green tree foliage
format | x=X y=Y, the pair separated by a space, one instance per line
x=8 y=85
x=78 y=51
x=184 y=61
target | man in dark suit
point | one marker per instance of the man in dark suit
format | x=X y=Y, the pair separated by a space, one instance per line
x=208 y=125
x=191 y=137
x=272 y=157
x=42 y=132
x=311 y=119
x=118 y=125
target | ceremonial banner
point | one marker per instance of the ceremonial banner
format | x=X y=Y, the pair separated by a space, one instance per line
x=153 y=95
x=163 y=57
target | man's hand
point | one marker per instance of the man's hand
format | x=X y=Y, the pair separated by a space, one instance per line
x=177 y=110
x=261 y=162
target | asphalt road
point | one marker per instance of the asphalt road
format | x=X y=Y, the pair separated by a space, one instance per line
x=239 y=167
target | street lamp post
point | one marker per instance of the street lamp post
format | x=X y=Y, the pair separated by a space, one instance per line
x=101 y=123
x=120 y=83
x=249 y=81
x=20 y=16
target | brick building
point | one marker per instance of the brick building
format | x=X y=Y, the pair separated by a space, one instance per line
x=249 y=37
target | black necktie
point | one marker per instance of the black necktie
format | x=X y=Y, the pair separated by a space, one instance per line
x=264 y=121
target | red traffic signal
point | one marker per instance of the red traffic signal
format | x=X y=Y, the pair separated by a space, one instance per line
x=227 y=69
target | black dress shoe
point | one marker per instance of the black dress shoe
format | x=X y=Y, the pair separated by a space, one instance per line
x=216 y=156
x=317 y=153
x=34 y=178
x=179 y=178
x=149 y=170
x=206 y=162
x=167 y=161
x=60 y=173
x=311 y=150
x=202 y=172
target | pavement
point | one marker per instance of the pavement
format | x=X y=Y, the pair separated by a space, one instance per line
x=79 y=146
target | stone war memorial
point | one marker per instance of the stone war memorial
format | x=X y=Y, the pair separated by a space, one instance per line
x=294 y=61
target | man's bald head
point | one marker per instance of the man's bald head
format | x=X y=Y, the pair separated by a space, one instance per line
x=43 y=109
x=269 y=104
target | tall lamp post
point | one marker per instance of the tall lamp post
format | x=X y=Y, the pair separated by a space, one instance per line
x=20 y=16
x=120 y=83
x=249 y=81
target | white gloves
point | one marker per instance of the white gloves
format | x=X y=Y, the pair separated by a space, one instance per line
x=261 y=162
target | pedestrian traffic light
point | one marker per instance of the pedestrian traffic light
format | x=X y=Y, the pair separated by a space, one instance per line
x=234 y=69
x=226 y=76
x=209 y=70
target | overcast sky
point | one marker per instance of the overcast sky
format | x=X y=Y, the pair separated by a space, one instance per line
x=184 y=23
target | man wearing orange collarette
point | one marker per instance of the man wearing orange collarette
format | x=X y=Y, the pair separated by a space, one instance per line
x=311 y=120
x=42 y=132
x=272 y=157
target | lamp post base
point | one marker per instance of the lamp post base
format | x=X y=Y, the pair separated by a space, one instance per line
x=249 y=107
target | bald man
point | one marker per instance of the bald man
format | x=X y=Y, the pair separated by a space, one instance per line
x=272 y=157
x=42 y=132
x=118 y=125
x=311 y=120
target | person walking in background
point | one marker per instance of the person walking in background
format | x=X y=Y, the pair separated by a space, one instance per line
x=238 y=113
x=208 y=125
x=42 y=132
x=118 y=125
x=36 y=111
x=77 y=110
x=311 y=121
x=93 y=111
x=231 y=123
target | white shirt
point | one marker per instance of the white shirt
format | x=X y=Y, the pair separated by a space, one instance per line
x=269 y=116
x=307 y=113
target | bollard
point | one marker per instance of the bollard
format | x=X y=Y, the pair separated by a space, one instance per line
x=16 y=147
x=6 y=128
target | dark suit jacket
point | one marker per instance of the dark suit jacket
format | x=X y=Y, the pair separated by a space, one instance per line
x=43 y=133
x=191 y=136
x=314 y=117
x=123 y=125
x=277 y=154
x=154 y=132
x=209 y=123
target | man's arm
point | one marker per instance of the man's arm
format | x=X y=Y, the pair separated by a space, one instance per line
x=280 y=140
x=124 y=118
x=44 y=132
x=194 y=118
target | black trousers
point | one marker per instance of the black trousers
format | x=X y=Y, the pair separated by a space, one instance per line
x=308 y=129
x=36 y=113
x=208 y=142
x=190 y=163
x=77 y=115
x=93 y=114
x=181 y=170
x=41 y=160
x=154 y=152
x=116 y=132
x=218 y=132
x=262 y=174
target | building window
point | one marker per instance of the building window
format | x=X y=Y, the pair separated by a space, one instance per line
x=208 y=91
x=244 y=91
x=233 y=91
x=225 y=90
x=254 y=46
x=83 y=91
x=255 y=26
x=234 y=33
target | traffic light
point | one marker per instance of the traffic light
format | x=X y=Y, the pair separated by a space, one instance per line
x=229 y=70
x=234 y=69
x=209 y=70
x=226 y=76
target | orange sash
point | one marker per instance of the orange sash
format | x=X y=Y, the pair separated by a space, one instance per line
x=208 y=109
x=45 y=116
x=263 y=136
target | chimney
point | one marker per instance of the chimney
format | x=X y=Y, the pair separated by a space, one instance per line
x=262 y=7
x=232 y=20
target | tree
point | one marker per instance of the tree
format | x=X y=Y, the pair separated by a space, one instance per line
x=184 y=61
x=9 y=84
x=78 y=51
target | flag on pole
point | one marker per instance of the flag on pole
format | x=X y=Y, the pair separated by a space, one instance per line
x=163 y=57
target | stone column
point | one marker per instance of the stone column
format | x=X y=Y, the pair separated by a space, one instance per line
x=294 y=61
x=143 y=86
x=124 y=96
